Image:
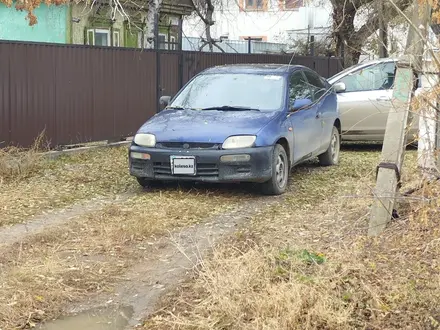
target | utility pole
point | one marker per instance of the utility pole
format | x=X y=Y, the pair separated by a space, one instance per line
x=389 y=169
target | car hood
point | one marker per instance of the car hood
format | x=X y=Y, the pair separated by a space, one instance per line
x=205 y=125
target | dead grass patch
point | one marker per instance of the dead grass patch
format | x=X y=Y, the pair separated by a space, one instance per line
x=57 y=183
x=313 y=266
x=18 y=163
x=47 y=272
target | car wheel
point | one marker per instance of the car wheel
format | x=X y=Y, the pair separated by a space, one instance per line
x=331 y=156
x=277 y=185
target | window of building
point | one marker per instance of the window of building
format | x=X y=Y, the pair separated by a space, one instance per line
x=173 y=44
x=101 y=37
x=292 y=4
x=254 y=4
x=163 y=41
x=98 y=37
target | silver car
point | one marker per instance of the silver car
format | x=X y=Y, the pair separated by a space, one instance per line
x=364 y=98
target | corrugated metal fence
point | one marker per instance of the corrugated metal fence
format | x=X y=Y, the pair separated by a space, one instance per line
x=79 y=94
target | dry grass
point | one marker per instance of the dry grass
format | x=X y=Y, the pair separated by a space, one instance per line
x=18 y=163
x=43 y=274
x=314 y=268
x=49 y=184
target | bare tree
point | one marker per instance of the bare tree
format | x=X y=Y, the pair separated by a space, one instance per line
x=205 y=10
x=152 y=16
x=348 y=39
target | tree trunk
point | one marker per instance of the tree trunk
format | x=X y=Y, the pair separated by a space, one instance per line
x=208 y=23
x=149 y=32
x=209 y=38
x=348 y=40
x=351 y=57
x=347 y=45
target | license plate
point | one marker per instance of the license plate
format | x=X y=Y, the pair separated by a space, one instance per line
x=183 y=165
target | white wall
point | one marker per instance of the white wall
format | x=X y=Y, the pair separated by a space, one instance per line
x=273 y=23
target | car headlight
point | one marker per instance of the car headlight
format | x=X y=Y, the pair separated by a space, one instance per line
x=145 y=140
x=240 y=141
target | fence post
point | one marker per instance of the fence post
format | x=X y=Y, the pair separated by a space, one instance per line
x=312 y=45
x=157 y=51
x=249 y=39
x=329 y=71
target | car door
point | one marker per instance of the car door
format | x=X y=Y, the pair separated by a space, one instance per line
x=305 y=124
x=324 y=116
x=365 y=104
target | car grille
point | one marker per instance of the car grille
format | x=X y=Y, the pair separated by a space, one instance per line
x=137 y=164
x=187 y=145
x=202 y=170
x=243 y=169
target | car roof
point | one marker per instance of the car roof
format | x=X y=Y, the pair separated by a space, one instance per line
x=379 y=60
x=261 y=68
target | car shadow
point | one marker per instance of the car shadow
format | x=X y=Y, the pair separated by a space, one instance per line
x=237 y=189
x=368 y=146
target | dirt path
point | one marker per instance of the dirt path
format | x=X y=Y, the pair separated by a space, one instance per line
x=57 y=218
x=164 y=267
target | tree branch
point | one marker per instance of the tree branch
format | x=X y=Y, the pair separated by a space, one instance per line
x=372 y=23
x=199 y=13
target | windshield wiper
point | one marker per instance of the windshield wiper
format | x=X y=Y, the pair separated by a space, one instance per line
x=231 y=108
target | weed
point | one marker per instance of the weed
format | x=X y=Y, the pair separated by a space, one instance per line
x=18 y=163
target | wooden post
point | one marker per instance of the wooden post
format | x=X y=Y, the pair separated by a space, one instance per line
x=389 y=169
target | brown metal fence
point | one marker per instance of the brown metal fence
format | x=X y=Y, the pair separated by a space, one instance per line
x=78 y=94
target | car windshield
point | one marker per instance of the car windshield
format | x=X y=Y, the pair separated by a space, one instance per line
x=343 y=72
x=354 y=68
x=232 y=92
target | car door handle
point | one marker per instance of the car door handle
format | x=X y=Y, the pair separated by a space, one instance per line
x=383 y=98
x=318 y=114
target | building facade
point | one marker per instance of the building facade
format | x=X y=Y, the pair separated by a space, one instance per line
x=79 y=24
x=264 y=20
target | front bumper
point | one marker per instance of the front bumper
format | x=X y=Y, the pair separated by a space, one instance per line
x=209 y=167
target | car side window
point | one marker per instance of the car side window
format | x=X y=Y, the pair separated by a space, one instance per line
x=316 y=85
x=298 y=87
x=374 y=77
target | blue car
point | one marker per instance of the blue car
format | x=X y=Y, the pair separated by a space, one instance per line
x=240 y=123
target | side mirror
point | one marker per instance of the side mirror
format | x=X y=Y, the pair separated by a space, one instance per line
x=301 y=103
x=339 y=87
x=164 y=100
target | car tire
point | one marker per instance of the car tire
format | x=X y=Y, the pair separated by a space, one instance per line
x=331 y=156
x=277 y=184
